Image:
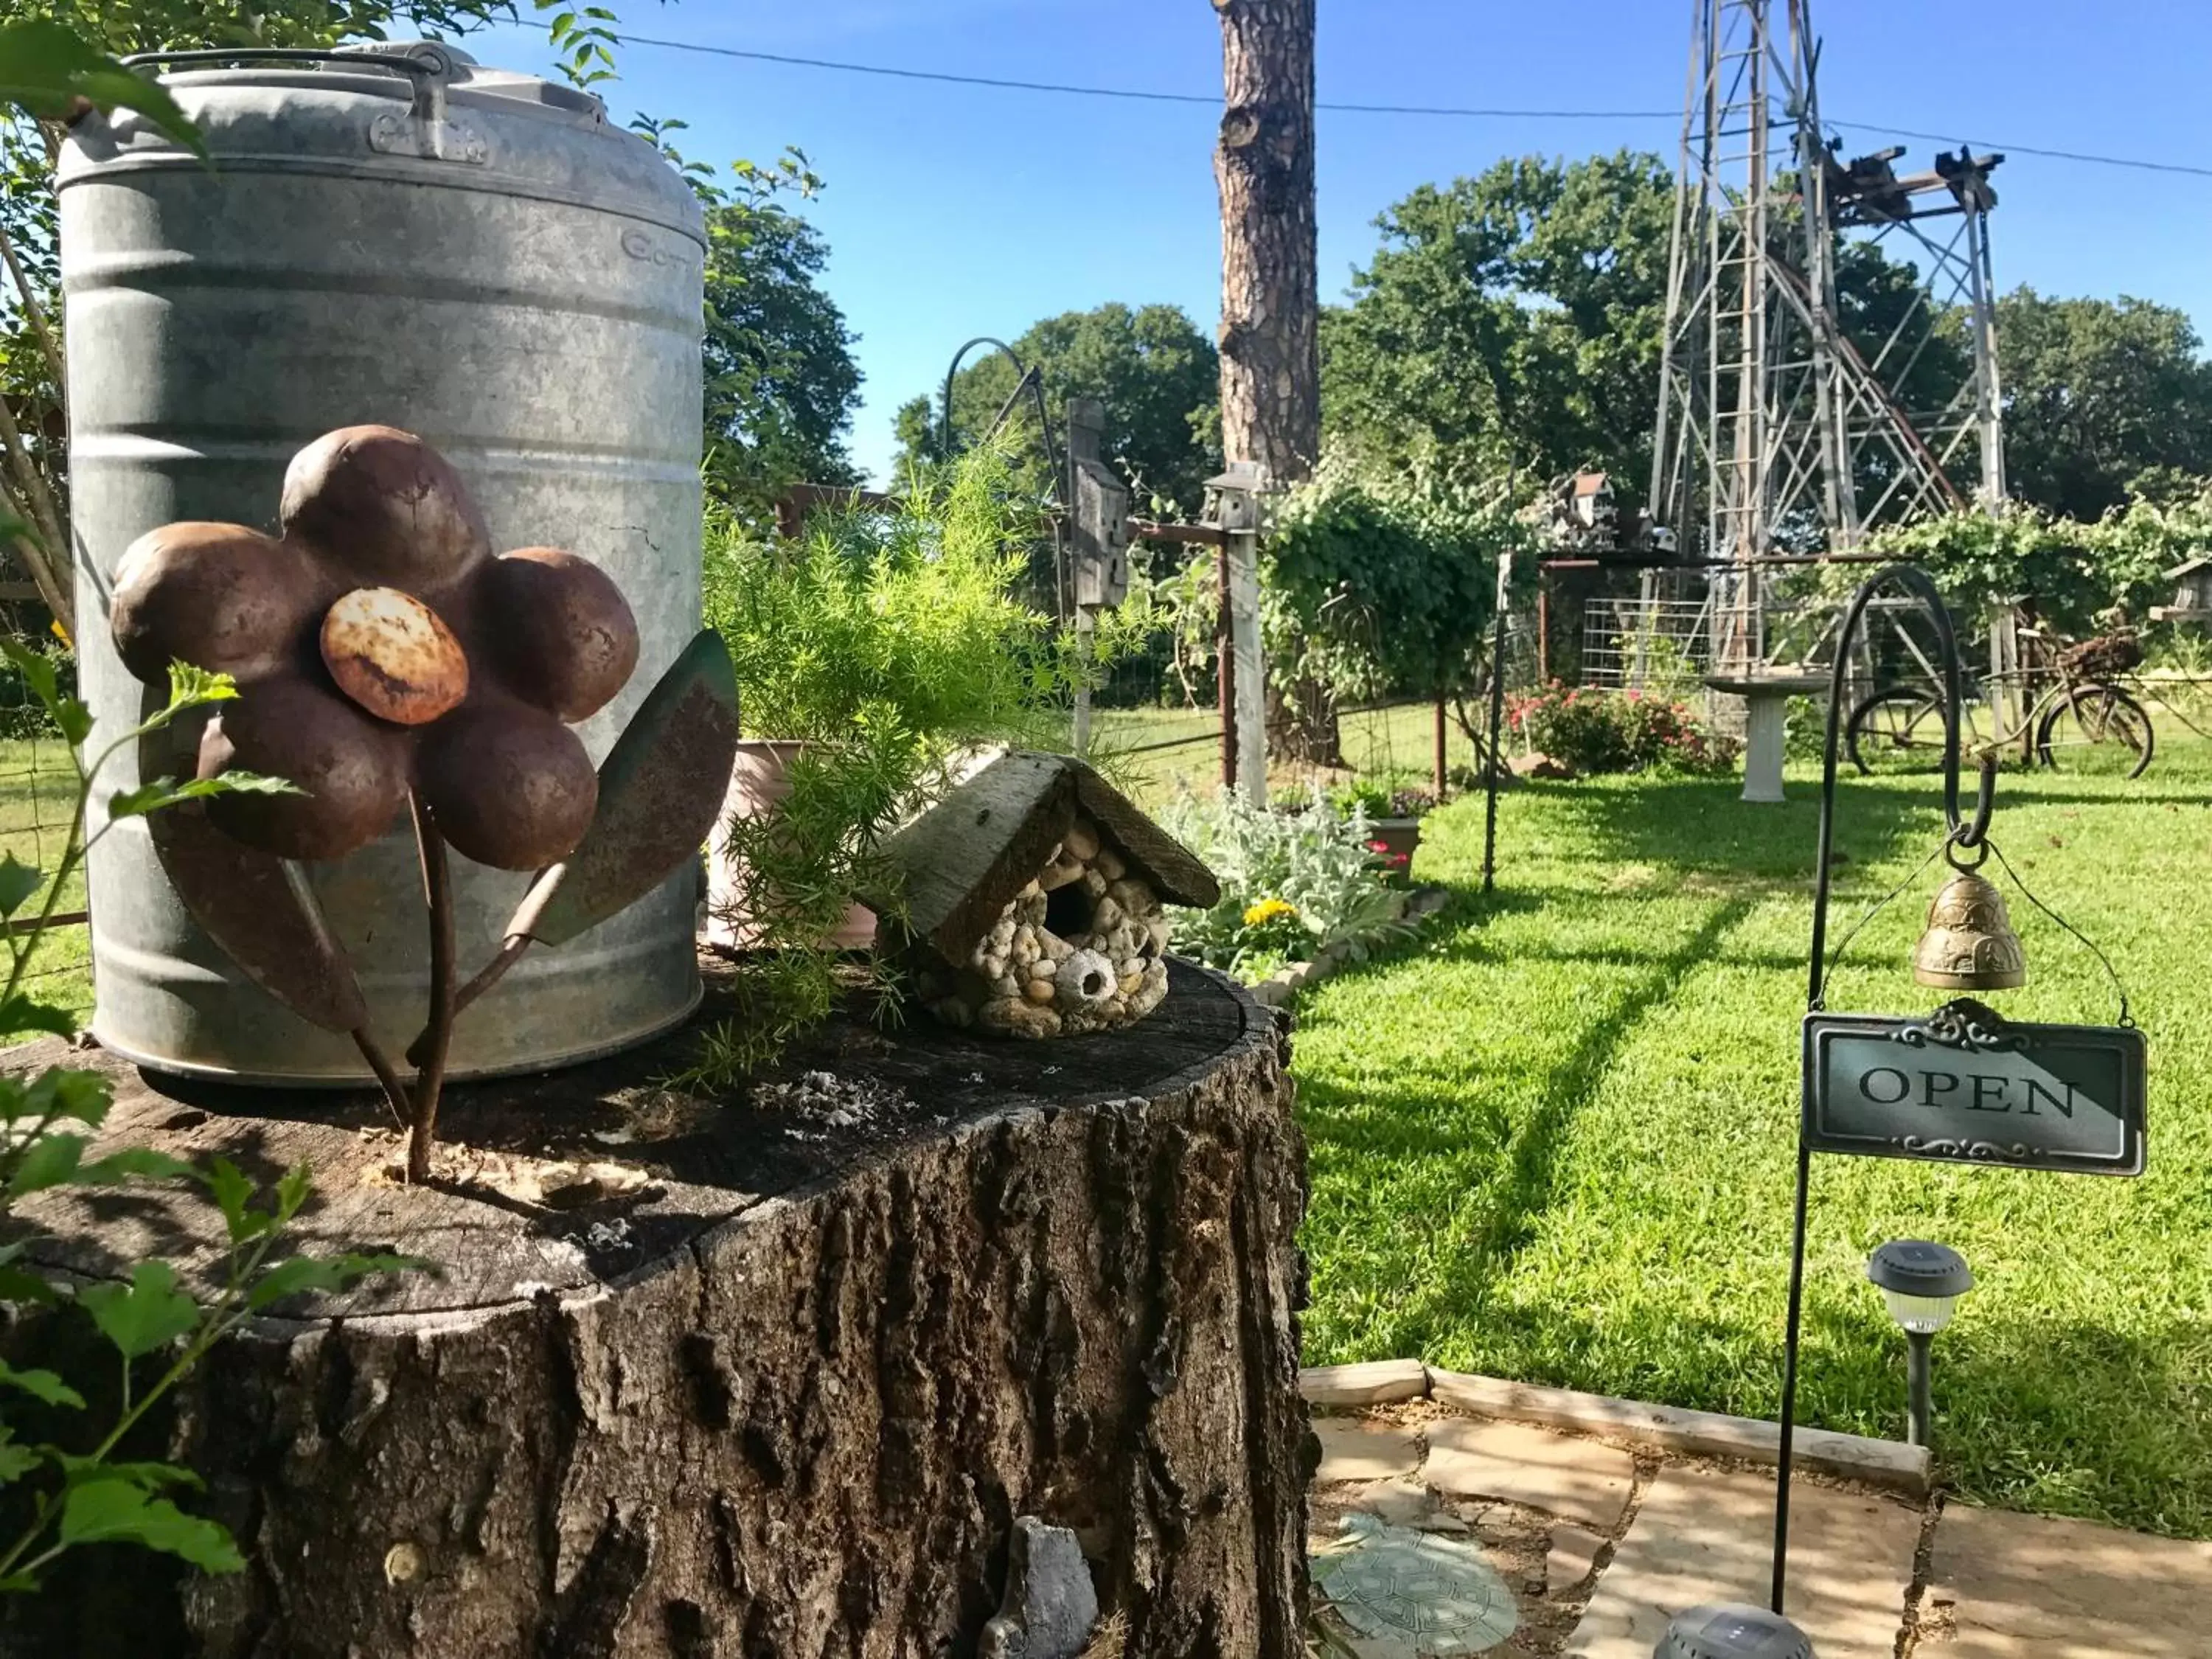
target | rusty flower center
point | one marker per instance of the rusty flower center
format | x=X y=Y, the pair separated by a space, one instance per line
x=392 y=654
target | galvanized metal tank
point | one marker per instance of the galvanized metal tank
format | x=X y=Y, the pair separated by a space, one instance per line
x=477 y=256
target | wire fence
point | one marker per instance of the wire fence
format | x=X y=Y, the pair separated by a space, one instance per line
x=37 y=799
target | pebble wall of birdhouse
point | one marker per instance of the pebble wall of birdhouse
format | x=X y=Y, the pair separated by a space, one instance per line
x=1035 y=900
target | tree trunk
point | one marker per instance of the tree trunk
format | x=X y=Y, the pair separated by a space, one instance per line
x=1270 y=289
x=786 y=1396
x=1270 y=293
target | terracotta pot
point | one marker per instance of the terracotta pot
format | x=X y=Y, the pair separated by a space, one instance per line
x=1398 y=838
x=759 y=778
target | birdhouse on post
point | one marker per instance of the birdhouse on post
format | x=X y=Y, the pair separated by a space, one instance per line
x=1098 y=511
x=2192 y=594
x=1031 y=900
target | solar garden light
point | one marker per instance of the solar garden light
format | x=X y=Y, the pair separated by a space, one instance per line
x=1731 y=1630
x=1922 y=1283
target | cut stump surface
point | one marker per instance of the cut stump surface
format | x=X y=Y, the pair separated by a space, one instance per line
x=759 y=1377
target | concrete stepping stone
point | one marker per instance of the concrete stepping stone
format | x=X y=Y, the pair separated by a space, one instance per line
x=1577 y=1480
x=2033 y=1587
x=1413 y=1595
x=1573 y=1559
x=1706 y=1536
x=1355 y=1451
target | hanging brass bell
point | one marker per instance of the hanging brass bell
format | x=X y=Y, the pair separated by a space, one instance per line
x=1969 y=943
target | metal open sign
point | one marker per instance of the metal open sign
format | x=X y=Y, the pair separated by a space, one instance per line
x=1965 y=1085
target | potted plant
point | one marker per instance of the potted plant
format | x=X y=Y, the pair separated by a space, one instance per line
x=1393 y=820
x=872 y=652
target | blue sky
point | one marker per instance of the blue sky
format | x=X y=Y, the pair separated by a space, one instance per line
x=953 y=210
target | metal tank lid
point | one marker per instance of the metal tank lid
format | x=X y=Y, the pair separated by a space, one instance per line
x=421 y=111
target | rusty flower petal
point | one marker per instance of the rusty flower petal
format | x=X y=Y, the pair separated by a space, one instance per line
x=218 y=596
x=509 y=784
x=353 y=768
x=561 y=631
x=390 y=507
x=384 y=592
x=393 y=655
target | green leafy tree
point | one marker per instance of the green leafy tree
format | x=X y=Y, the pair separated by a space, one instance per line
x=1376 y=583
x=1512 y=319
x=2098 y=393
x=1157 y=374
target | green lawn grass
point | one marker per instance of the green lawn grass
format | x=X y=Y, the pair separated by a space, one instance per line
x=1555 y=1140
x=38 y=791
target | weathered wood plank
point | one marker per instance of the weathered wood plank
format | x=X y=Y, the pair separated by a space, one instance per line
x=1671 y=1428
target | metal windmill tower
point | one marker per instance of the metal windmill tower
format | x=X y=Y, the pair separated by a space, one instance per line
x=1780 y=427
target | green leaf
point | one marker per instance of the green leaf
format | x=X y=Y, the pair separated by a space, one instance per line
x=330 y=1272
x=18 y=1013
x=48 y=1161
x=120 y=1511
x=37 y=669
x=20 y=1285
x=147 y=1314
x=292 y=1190
x=164 y=793
x=15 y=1461
x=41 y=1385
x=17 y=883
x=46 y=69
x=233 y=1195
x=74 y=719
x=132 y=1163
x=147 y=1477
x=193 y=688
x=66 y=1091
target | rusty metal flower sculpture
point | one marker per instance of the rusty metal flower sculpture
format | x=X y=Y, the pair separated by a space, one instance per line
x=387 y=661
x=382 y=651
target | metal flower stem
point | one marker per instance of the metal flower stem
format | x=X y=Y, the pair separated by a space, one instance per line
x=487 y=977
x=438 y=894
x=395 y=1090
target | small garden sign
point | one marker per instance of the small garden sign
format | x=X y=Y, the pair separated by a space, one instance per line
x=1966 y=1085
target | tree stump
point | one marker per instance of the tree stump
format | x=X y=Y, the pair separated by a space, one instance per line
x=778 y=1384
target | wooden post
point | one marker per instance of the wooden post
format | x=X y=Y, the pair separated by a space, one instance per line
x=1441 y=755
x=1224 y=661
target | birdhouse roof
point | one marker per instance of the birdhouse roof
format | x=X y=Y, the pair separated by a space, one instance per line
x=2191 y=567
x=962 y=862
x=1592 y=483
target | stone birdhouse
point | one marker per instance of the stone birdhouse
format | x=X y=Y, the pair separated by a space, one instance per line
x=1034 y=900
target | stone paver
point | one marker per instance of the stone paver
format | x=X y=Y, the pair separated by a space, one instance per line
x=1706 y=1536
x=2031 y=1586
x=1573 y=1555
x=1579 y=1480
x=1372 y=1383
x=1354 y=1451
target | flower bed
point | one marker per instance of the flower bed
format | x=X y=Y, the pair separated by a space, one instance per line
x=1293 y=885
x=1590 y=731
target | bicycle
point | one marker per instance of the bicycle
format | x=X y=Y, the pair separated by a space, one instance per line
x=1899 y=728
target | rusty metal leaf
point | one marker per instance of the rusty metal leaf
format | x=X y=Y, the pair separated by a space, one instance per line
x=660 y=787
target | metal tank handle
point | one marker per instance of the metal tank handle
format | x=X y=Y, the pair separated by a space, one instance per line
x=426 y=132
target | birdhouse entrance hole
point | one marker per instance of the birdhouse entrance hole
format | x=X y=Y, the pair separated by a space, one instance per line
x=1069 y=911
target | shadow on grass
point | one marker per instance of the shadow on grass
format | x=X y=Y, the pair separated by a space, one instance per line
x=1698 y=825
x=1524 y=1188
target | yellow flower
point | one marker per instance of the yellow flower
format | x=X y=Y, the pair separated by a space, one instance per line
x=1266 y=910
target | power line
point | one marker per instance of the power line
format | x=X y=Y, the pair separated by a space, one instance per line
x=1443 y=111
x=1212 y=98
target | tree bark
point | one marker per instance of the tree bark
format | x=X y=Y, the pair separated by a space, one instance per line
x=785 y=1397
x=1270 y=293
x=1270 y=285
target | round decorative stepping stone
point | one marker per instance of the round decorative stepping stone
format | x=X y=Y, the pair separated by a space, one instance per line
x=1437 y=1597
